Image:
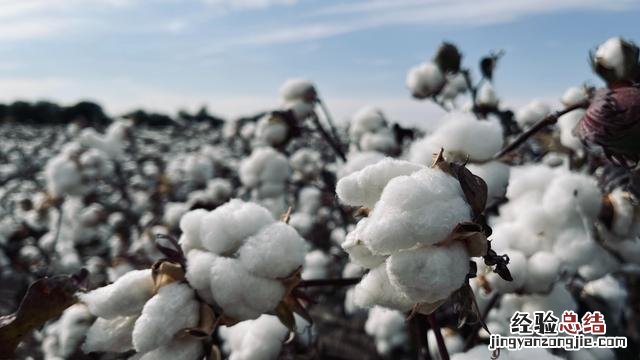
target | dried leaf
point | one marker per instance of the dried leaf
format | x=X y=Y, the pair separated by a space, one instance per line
x=170 y=248
x=45 y=299
x=206 y=325
x=285 y=315
x=166 y=272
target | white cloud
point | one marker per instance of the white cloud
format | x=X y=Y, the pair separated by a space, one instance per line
x=248 y=4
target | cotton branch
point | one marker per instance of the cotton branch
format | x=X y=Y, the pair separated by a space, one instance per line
x=548 y=120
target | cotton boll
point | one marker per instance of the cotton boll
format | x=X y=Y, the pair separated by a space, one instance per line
x=529 y=178
x=297 y=89
x=575 y=95
x=276 y=251
x=110 y=335
x=309 y=200
x=259 y=339
x=542 y=271
x=271 y=130
x=366 y=120
x=363 y=188
x=496 y=175
x=376 y=289
x=173 y=213
x=573 y=197
x=487 y=96
x=172 y=309
x=574 y=248
x=383 y=141
x=429 y=274
x=300 y=109
x=518 y=267
x=265 y=166
x=352 y=270
x=307 y=162
x=124 y=297
x=419 y=209
x=240 y=294
x=62 y=176
x=358 y=251
x=567 y=123
x=531 y=113
x=458 y=136
x=190 y=224
x=302 y=223
x=610 y=290
x=357 y=161
x=225 y=228
x=186 y=348
x=425 y=80
x=610 y=55
x=387 y=327
x=315 y=265
x=456 y=84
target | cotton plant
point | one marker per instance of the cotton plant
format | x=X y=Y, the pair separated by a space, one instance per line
x=387 y=327
x=412 y=231
x=369 y=131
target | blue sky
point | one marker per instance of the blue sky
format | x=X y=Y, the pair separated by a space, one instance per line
x=232 y=55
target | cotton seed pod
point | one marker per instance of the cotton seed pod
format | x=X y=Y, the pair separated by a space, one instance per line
x=448 y=58
x=125 y=297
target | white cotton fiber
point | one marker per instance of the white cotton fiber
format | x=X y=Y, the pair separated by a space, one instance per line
x=358 y=251
x=383 y=140
x=366 y=120
x=315 y=265
x=419 y=209
x=297 y=89
x=307 y=162
x=110 y=335
x=458 y=136
x=487 y=95
x=425 y=80
x=264 y=165
x=429 y=274
x=573 y=197
x=531 y=113
x=177 y=349
x=224 y=229
x=271 y=130
x=71 y=328
x=574 y=96
x=357 y=161
x=452 y=341
x=363 y=188
x=240 y=294
x=199 y=263
x=275 y=251
x=558 y=300
x=567 y=123
x=529 y=178
x=610 y=55
x=542 y=271
x=376 y=289
x=388 y=327
x=172 y=309
x=62 y=176
x=124 y=297
x=259 y=339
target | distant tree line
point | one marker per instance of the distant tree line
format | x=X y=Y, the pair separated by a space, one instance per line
x=91 y=114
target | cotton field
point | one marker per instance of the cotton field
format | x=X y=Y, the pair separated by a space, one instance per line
x=287 y=235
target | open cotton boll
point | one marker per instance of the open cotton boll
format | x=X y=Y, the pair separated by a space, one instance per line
x=357 y=161
x=366 y=120
x=110 y=335
x=429 y=274
x=518 y=267
x=363 y=187
x=496 y=175
x=623 y=212
x=376 y=289
x=574 y=96
x=298 y=89
x=240 y=294
x=529 y=178
x=224 y=229
x=309 y=199
x=62 y=176
x=72 y=327
x=611 y=55
x=610 y=290
x=264 y=165
x=358 y=251
x=567 y=123
x=388 y=327
x=173 y=212
x=542 y=271
x=458 y=136
x=300 y=109
x=425 y=80
x=315 y=265
x=183 y=349
x=383 y=140
x=531 y=113
x=558 y=300
x=456 y=84
x=172 y=309
x=574 y=248
x=302 y=222
x=190 y=224
x=124 y=297
x=259 y=339
x=487 y=95
x=271 y=130
x=573 y=197
x=307 y=162
x=422 y=208
x=275 y=251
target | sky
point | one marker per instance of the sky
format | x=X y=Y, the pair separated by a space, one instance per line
x=233 y=55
